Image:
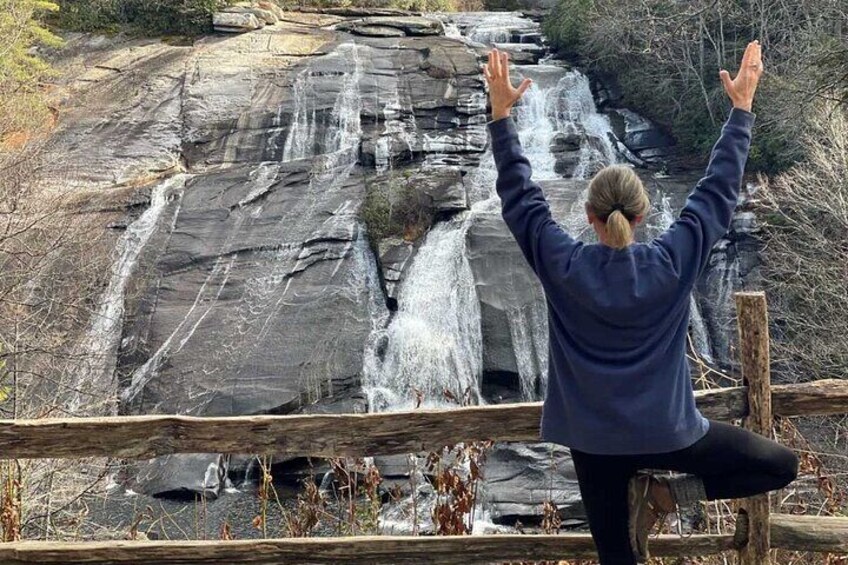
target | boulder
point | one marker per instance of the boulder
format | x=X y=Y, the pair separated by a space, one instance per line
x=519 y=478
x=233 y=22
x=181 y=476
x=272 y=7
x=409 y=25
x=264 y=16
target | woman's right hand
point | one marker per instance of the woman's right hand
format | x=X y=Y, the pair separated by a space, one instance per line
x=502 y=94
x=741 y=89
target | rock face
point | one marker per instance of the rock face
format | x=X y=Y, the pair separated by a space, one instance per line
x=263 y=250
x=228 y=273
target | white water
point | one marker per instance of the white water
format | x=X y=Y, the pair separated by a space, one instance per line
x=100 y=345
x=698 y=330
x=493 y=27
x=434 y=343
x=340 y=137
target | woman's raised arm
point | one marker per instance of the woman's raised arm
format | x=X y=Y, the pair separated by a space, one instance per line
x=545 y=245
x=709 y=210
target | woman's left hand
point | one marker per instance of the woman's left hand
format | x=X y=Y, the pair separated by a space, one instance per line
x=502 y=95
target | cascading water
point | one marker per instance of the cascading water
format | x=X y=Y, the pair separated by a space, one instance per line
x=699 y=334
x=433 y=344
x=101 y=342
x=438 y=319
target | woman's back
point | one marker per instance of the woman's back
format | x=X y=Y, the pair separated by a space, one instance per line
x=619 y=381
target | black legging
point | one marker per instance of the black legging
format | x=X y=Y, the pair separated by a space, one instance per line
x=731 y=461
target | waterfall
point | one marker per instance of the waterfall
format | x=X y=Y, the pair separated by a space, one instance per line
x=561 y=101
x=434 y=343
x=577 y=106
x=495 y=27
x=698 y=329
x=100 y=345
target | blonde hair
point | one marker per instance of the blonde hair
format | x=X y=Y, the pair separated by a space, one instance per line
x=616 y=197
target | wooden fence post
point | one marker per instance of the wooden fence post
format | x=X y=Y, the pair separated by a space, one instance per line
x=752 y=318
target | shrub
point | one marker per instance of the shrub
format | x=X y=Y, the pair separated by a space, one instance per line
x=667 y=55
x=153 y=17
x=395 y=209
x=22 y=107
x=806 y=252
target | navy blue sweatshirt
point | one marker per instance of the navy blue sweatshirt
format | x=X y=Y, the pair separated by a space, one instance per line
x=619 y=381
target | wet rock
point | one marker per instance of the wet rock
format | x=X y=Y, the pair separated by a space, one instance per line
x=565 y=148
x=523 y=53
x=562 y=142
x=424 y=96
x=235 y=22
x=247 y=305
x=442 y=189
x=181 y=476
x=519 y=478
x=640 y=135
x=226 y=274
x=395 y=255
x=511 y=300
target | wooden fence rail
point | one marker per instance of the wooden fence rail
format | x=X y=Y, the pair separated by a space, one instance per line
x=338 y=435
x=803 y=533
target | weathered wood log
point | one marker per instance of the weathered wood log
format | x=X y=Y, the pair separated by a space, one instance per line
x=446 y=550
x=824 y=534
x=336 y=435
x=825 y=396
x=752 y=318
x=800 y=533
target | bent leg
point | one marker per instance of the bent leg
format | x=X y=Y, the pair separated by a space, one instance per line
x=732 y=462
x=603 y=487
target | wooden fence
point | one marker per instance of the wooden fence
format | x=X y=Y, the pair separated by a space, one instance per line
x=138 y=437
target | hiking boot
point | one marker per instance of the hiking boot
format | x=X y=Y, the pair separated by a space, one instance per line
x=645 y=512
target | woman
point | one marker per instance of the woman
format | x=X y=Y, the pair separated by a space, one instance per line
x=619 y=387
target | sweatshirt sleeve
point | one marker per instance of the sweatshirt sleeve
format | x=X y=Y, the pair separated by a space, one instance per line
x=709 y=209
x=545 y=245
